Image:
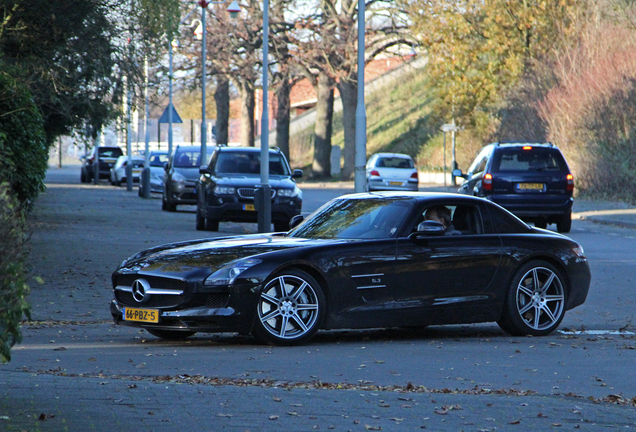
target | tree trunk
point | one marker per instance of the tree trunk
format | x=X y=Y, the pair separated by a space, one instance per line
x=349 y=93
x=247 y=113
x=324 y=125
x=282 y=116
x=222 y=98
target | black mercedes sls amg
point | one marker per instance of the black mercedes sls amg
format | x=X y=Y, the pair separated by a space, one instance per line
x=378 y=259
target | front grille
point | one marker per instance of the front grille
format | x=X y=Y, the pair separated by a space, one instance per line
x=250 y=192
x=155 y=300
x=155 y=282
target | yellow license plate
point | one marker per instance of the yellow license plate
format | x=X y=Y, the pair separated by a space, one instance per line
x=395 y=183
x=249 y=207
x=531 y=186
x=143 y=315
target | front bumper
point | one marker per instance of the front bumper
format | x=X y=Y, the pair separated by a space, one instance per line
x=283 y=209
x=220 y=312
x=183 y=193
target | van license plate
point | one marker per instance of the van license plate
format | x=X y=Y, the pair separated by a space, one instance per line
x=143 y=315
x=531 y=186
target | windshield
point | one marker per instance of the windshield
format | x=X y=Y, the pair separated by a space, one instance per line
x=249 y=163
x=187 y=159
x=369 y=218
x=157 y=160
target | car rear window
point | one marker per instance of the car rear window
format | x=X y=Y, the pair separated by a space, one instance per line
x=110 y=152
x=187 y=159
x=394 y=162
x=534 y=159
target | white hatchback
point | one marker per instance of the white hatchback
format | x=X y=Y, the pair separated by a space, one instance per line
x=391 y=171
x=118 y=172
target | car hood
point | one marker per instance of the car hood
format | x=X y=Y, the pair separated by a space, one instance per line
x=238 y=180
x=188 y=173
x=210 y=254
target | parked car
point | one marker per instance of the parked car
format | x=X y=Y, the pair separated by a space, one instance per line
x=391 y=171
x=360 y=261
x=157 y=161
x=531 y=180
x=181 y=174
x=118 y=171
x=107 y=158
x=227 y=186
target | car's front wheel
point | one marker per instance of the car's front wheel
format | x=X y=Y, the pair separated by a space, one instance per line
x=170 y=334
x=290 y=309
x=536 y=299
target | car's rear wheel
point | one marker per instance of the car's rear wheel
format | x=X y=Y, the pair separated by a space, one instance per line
x=167 y=205
x=170 y=334
x=536 y=299
x=290 y=309
x=83 y=177
x=211 y=224
x=565 y=223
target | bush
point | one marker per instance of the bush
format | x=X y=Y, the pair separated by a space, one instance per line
x=13 y=288
x=23 y=148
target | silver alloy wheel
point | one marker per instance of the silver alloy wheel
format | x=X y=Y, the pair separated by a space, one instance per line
x=540 y=298
x=288 y=307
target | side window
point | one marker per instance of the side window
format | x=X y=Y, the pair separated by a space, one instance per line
x=464 y=218
x=479 y=165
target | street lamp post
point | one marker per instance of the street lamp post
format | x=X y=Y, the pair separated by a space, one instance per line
x=361 y=113
x=204 y=131
x=263 y=192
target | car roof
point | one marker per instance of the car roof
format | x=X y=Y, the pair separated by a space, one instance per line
x=399 y=155
x=246 y=149
x=188 y=148
x=419 y=196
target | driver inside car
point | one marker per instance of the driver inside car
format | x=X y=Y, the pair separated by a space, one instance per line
x=441 y=214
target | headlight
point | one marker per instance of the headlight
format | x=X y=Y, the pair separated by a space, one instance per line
x=578 y=251
x=290 y=192
x=179 y=178
x=224 y=190
x=227 y=274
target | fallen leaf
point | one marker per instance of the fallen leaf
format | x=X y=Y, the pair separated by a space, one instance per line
x=277 y=399
x=368 y=427
x=273 y=417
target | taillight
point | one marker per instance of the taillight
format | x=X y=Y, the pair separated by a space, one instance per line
x=486 y=181
x=570 y=180
x=375 y=173
x=414 y=176
x=527 y=147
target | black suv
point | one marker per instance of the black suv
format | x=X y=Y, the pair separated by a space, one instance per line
x=225 y=190
x=107 y=158
x=531 y=180
x=181 y=174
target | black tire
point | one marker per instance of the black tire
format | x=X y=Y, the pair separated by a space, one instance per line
x=200 y=221
x=118 y=182
x=168 y=205
x=83 y=176
x=535 y=304
x=290 y=309
x=281 y=226
x=211 y=224
x=140 y=191
x=541 y=223
x=170 y=334
x=564 y=225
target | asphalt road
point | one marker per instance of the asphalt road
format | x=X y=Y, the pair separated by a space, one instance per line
x=75 y=370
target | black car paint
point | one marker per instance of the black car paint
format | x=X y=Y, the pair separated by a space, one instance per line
x=345 y=267
x=233 y=207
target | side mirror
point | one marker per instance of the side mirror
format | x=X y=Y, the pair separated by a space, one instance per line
x=298 y=173
x=296 y=220
x=458 y=173
x=204 y=170
x=166 y=166
x=428 y=229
